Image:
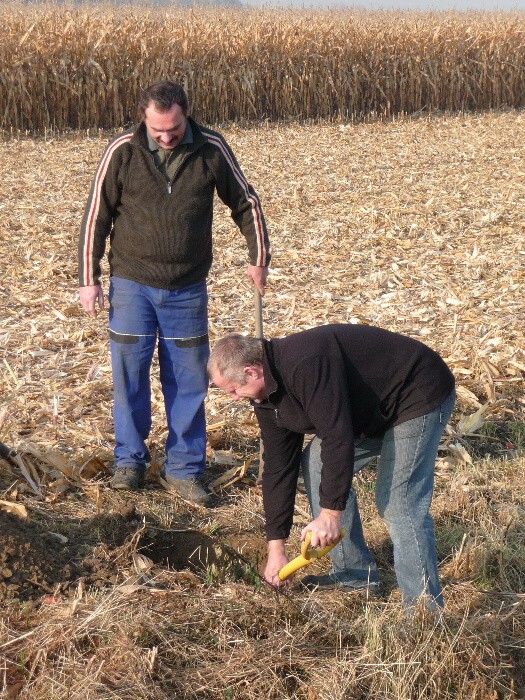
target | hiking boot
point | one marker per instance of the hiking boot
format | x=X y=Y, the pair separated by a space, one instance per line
x=331 y=582
x=188 y=489
x=127 y=479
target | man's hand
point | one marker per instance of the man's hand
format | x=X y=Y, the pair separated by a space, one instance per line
x=258 y=275
x=325 y=529
x=89 y=297
x=276 y=560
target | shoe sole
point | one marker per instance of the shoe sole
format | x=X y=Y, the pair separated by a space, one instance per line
x=369 y=592
x=126 y=487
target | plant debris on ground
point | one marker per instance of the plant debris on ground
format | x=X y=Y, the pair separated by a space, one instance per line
x=415 y=225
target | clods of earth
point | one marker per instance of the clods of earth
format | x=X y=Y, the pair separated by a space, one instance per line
x=40 y=557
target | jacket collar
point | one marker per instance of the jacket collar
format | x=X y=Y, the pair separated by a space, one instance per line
x=272 y=379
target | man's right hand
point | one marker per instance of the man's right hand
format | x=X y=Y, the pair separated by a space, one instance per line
x=325 y=529
x=90 y=296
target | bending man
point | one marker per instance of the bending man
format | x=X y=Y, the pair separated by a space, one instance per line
x=364 y=392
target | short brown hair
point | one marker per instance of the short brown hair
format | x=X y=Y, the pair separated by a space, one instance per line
x=164 y=94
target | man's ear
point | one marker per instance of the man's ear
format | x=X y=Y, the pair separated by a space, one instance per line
x=253 y=371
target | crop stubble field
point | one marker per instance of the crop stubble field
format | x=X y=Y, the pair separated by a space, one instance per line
x=413 y=224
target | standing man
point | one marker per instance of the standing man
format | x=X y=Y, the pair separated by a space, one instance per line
x=152 y=196
x=364 y=392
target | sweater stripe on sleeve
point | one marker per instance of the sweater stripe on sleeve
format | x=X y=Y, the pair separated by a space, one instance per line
x=251 y=197
x=94 y=207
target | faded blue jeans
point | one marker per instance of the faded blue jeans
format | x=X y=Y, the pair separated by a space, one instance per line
x=404 y=485
x=140 y=317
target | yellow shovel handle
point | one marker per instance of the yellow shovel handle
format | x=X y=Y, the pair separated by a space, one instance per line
x=307 y=555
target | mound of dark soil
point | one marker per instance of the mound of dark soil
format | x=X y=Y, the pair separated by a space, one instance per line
x=40 y=556
x=35 y=561
x=32 y=561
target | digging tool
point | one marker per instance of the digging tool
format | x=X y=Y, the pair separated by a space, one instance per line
x=259 y=334
x=307 y=555
x=258 y=313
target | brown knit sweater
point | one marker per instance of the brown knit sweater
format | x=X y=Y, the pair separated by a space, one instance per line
x=161 y=232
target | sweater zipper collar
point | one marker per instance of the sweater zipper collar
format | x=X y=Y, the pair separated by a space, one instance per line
x=168 y=183
x=140 y=136
x=184 y=159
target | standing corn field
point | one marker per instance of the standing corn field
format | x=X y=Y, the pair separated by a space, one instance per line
x=79 y=67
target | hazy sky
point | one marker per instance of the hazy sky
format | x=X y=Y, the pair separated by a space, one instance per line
x=437 y=5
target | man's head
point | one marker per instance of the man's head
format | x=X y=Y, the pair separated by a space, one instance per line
x=236 y=366
x=165 y=109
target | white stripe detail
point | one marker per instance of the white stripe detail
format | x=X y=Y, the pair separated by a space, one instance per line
x=134 y=335
x=192 y=337
x=256 y=206
x=154 y=335
x=94 y=207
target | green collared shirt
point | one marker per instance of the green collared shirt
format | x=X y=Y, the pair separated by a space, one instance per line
x=168 y=160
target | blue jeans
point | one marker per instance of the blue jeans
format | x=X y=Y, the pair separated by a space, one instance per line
x=404 y=484
x=138 y=315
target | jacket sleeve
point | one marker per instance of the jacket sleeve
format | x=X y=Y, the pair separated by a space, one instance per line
x=282 y=458
x=321 y=387
x=101 y=206
x=236 y=192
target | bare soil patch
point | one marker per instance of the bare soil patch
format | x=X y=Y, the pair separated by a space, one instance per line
x=32 y=563
x=37 y=562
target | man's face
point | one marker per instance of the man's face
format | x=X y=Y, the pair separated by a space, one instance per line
x=253 y=388
x=165 y=128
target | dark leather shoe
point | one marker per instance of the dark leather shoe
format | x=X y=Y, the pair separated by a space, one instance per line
x=128 y=479
x=331 y=582
x=189 y=489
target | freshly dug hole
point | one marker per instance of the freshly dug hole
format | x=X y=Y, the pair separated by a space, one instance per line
x=180 y=549
x=203 y=554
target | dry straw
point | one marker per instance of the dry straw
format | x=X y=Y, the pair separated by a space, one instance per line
x=415 y=225
x=71 y=66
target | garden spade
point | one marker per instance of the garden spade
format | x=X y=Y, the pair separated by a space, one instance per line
x=258 y=313
x=307 y=555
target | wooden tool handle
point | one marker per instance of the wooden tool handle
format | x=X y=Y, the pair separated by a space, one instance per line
x=258 y=313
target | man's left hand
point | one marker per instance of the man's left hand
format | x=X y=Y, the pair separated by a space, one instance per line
x=276 y=560
x=258 y=275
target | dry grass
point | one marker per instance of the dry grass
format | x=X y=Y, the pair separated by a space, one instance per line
x=232 y=642
x=414 y=225
x=70 y=66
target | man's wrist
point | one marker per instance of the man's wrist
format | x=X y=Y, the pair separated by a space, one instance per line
x=331 y=513
x=276 y=546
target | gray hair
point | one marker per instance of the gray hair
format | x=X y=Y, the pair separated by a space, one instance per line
x=232 y=354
